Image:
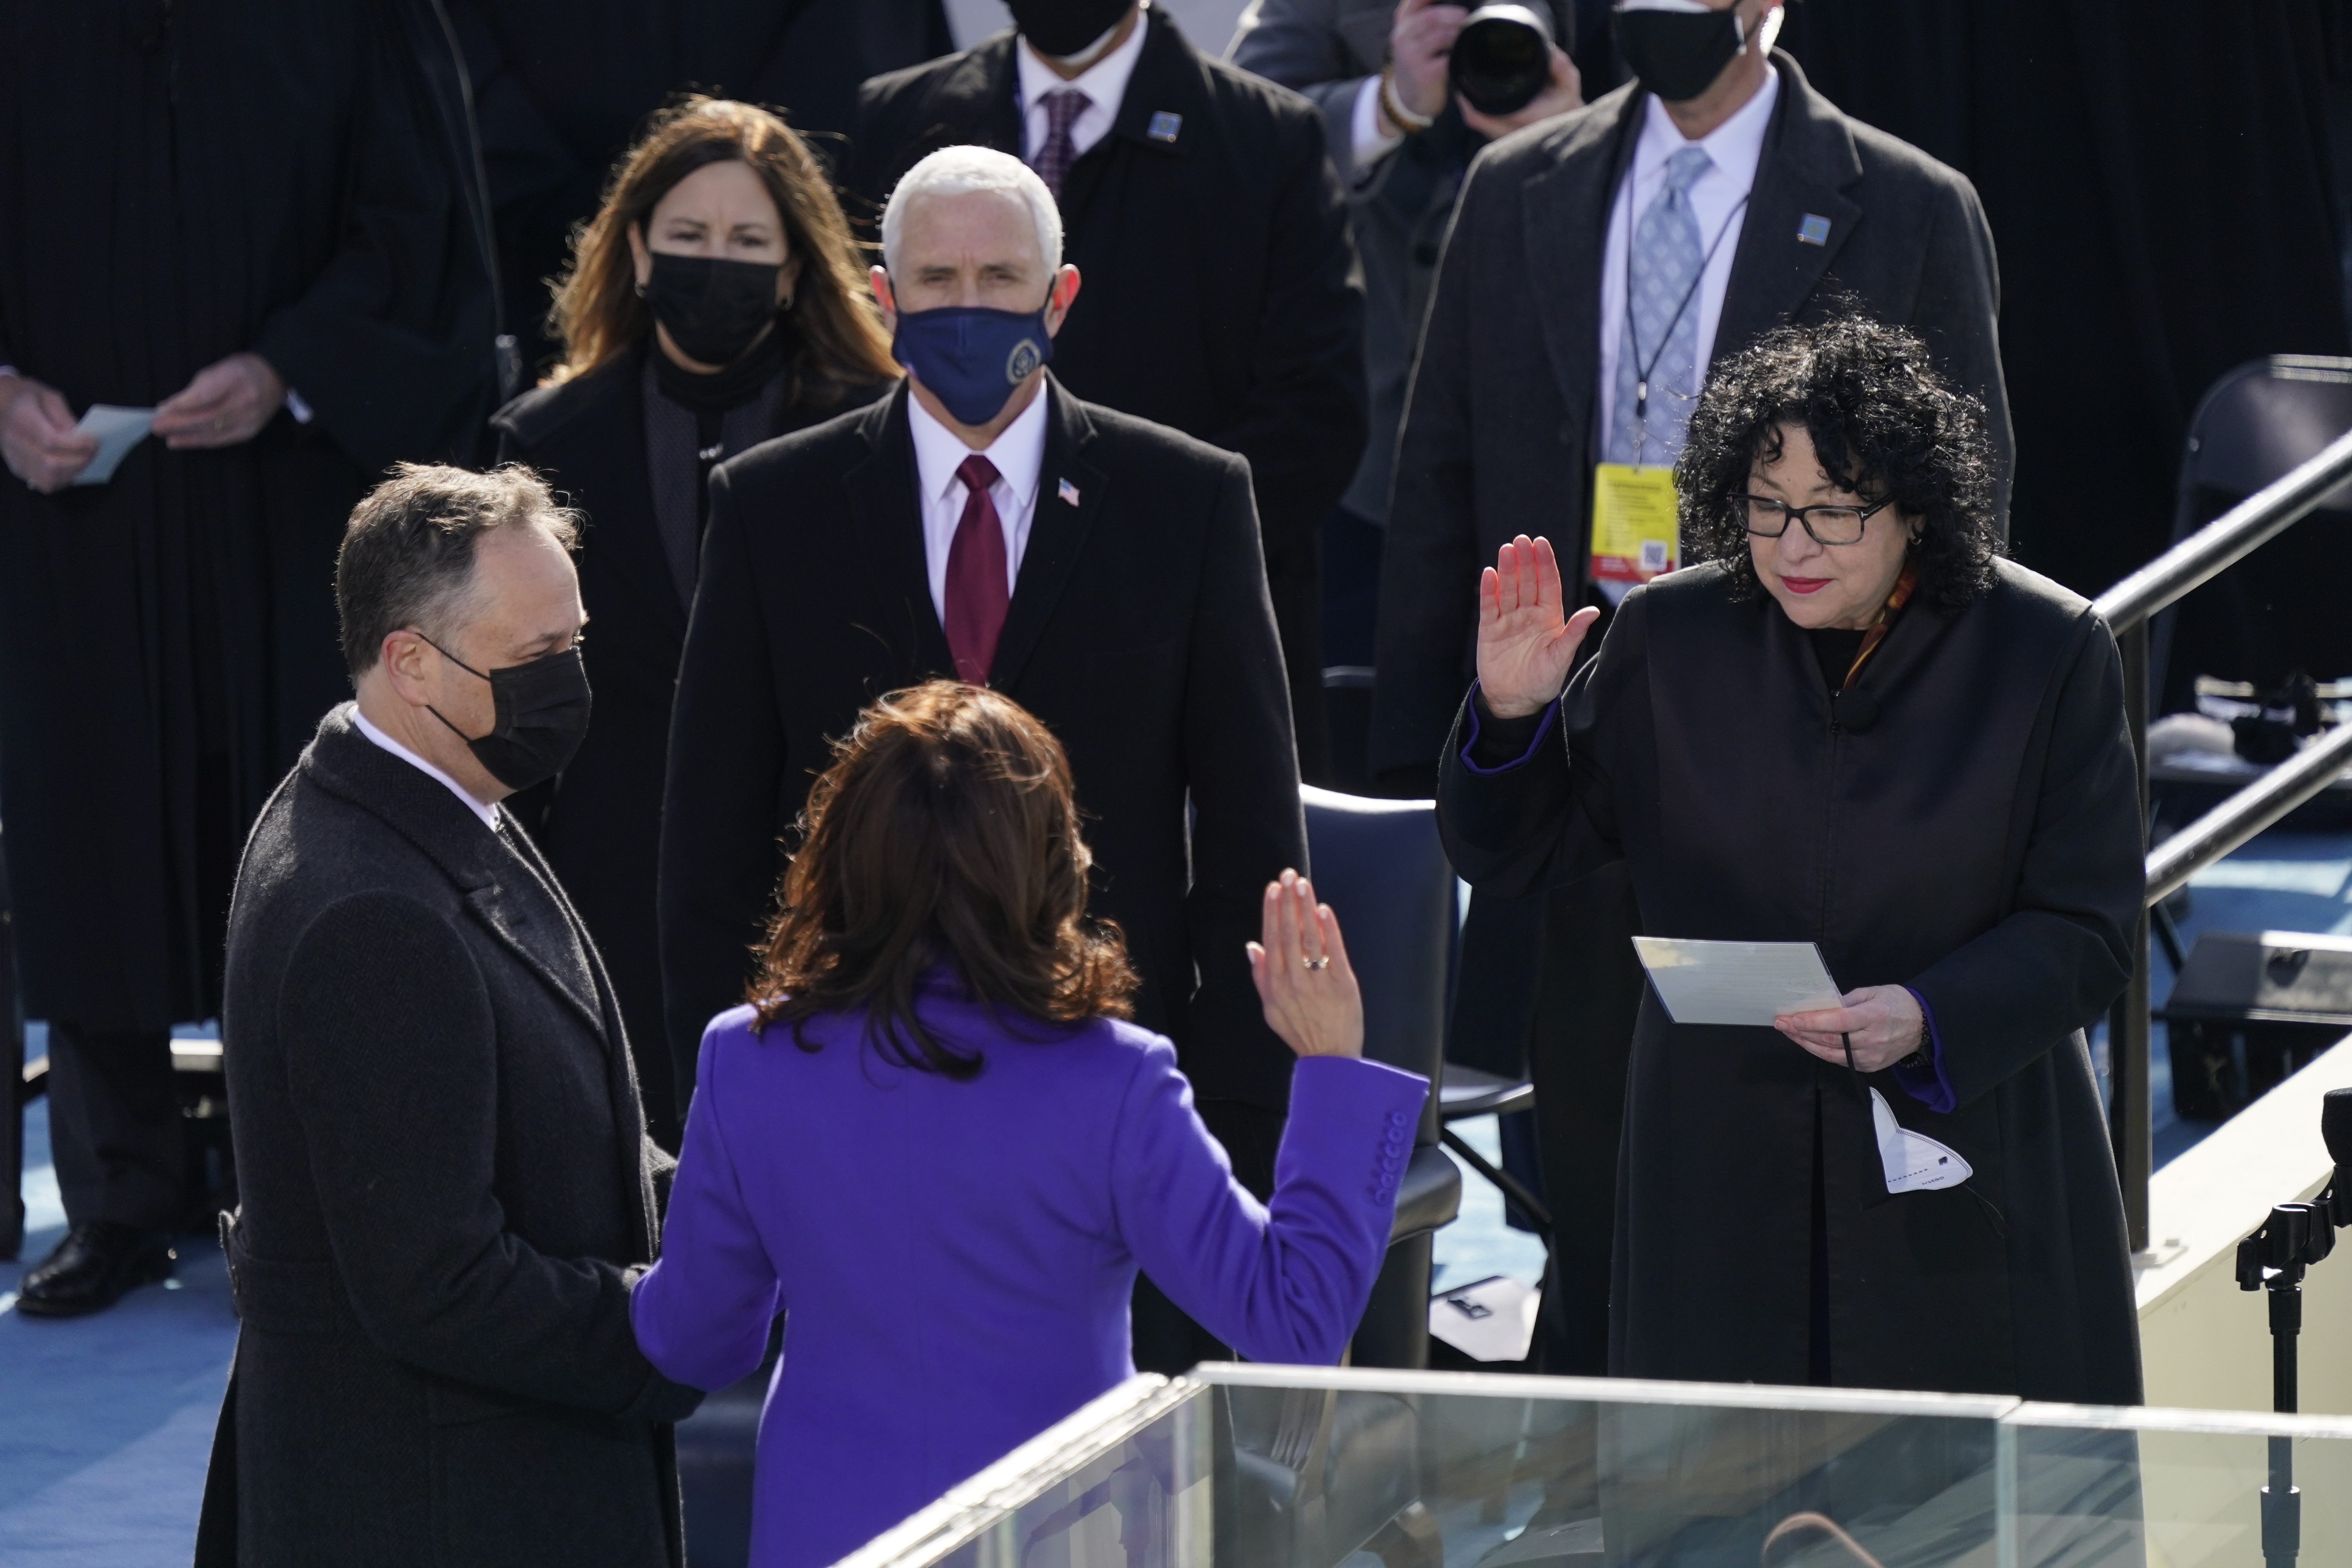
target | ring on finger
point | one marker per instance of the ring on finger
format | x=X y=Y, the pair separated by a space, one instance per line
x=1315 y=962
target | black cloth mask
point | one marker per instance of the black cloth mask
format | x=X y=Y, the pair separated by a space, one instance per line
x=712 y=308
x=1064 y=27
x=1676 y=55
x=541 y=711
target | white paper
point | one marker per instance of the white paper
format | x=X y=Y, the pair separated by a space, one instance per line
x=1488 y=1319
x=1913 y=1161
x=118 y=430
x=1735 y=982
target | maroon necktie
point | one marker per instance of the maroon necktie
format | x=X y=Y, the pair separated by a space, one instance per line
x=1063 y=107
x=976 y=595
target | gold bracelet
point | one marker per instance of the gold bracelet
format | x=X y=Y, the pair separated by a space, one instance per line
x=1403 y=118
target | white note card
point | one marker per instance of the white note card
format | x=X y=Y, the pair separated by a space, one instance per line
x=118 y=430
x=1735 y=982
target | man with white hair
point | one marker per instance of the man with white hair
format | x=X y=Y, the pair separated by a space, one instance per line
x=1225 y=300
x=982 y=523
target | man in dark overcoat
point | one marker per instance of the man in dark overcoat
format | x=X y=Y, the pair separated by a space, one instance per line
x=259 y=220
x=1223 y=298
x=447 y=1189
x=1122 y=603
x=1511 y=412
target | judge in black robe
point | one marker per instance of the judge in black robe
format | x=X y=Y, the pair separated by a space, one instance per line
x=1943 y=800
x=186 y=185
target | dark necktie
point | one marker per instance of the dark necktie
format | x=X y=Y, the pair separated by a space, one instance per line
x=1063 y=107
x=976 y=594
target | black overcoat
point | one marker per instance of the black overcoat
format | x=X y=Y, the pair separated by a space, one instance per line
x=600 y=824
x=448 y=1194
x=1139 y=632
x=1222 y=294
x=180 y=183
x=1980 y=842
x=1501 y=427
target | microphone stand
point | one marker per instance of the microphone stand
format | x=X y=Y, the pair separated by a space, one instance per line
x=2273 y=1259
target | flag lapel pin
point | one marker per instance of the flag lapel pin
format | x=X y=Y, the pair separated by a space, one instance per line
x=1164 y=126
x=1813 y=229
x=1068 y=492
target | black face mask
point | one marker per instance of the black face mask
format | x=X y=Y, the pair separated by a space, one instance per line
x=542 y=716
x=713 y=308
x=1064 y=27
x=1676 y=54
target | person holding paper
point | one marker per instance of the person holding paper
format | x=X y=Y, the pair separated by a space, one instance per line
x=1854 y=725
x=257 y=222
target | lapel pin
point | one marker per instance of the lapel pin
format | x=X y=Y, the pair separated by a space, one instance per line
x=1164 y=126
x=1068 y=492
x=1813 y=229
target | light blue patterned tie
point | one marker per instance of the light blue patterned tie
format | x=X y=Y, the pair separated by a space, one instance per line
x=1661 y=320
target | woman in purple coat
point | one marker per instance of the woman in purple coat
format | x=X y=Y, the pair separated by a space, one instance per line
x=933 y=1143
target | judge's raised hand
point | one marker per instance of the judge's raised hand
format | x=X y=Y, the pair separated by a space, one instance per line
x=1883 y=1022
x=1301 y=969
x=228 y=401
x=38 y=438
x=1526 y=647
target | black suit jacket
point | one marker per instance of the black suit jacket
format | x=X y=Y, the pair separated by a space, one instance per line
x=1139 y=631
x=446 y=1195
x=599 y=822
x=1501 y=429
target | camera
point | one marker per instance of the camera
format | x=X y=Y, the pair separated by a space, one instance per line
x=1502 y=57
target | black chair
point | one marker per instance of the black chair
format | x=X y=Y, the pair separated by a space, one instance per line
x=1378 y=864
x=2281 y=608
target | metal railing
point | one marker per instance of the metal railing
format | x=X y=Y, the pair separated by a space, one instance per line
x=2128 y=608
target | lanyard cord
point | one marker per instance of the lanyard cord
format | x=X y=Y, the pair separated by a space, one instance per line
x=1642 y=371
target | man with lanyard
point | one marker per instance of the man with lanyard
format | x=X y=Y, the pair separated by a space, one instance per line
x=1597 y=264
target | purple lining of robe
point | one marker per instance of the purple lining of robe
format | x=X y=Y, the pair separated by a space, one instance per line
x=957 y=1258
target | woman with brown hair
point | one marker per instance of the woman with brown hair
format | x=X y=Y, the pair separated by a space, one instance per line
x=931 y=1139
x=714 y=302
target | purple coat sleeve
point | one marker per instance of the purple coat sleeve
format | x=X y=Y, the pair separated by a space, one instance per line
x=1285 y=1282
x=701 y=1315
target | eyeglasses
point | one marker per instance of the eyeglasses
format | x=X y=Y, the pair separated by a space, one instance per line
x=1769 y=519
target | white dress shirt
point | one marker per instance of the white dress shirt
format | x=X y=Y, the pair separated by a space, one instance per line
x=1735 y=147
x=1104 y=83
x=1367 y=143
x=1019 y=453
x=488 y=814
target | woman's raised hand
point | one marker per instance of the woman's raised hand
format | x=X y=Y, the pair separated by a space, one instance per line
x=1303 y=979
x=1525 y=646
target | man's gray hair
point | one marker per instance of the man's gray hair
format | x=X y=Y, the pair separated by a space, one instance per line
x=407 y=556
x=952 y=171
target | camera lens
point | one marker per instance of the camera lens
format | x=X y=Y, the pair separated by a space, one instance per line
x=1501 y=59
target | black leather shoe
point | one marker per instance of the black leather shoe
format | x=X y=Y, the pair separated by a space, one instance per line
x=92 y=1267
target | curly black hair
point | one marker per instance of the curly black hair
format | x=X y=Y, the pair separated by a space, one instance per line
x=1884 y=423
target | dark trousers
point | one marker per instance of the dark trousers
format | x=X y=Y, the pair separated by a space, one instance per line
x=114 y=1127
x=1166 y=1341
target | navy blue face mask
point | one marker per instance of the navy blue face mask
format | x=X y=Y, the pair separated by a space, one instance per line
x=972 y=358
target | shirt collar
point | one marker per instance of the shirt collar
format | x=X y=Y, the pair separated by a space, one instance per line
x=1735 y=147
x=488 y=814
x=1018 y=452
x=1104 y=82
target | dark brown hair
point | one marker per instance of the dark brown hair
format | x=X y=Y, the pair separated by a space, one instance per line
x=598 y=312
x=407 y=555
x=945 y=834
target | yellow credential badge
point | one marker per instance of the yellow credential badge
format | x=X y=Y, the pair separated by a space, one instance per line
x=1634 y=535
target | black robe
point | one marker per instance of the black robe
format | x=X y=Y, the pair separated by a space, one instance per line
x=600 y=822
x=1980 y=842
x=182 y=183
